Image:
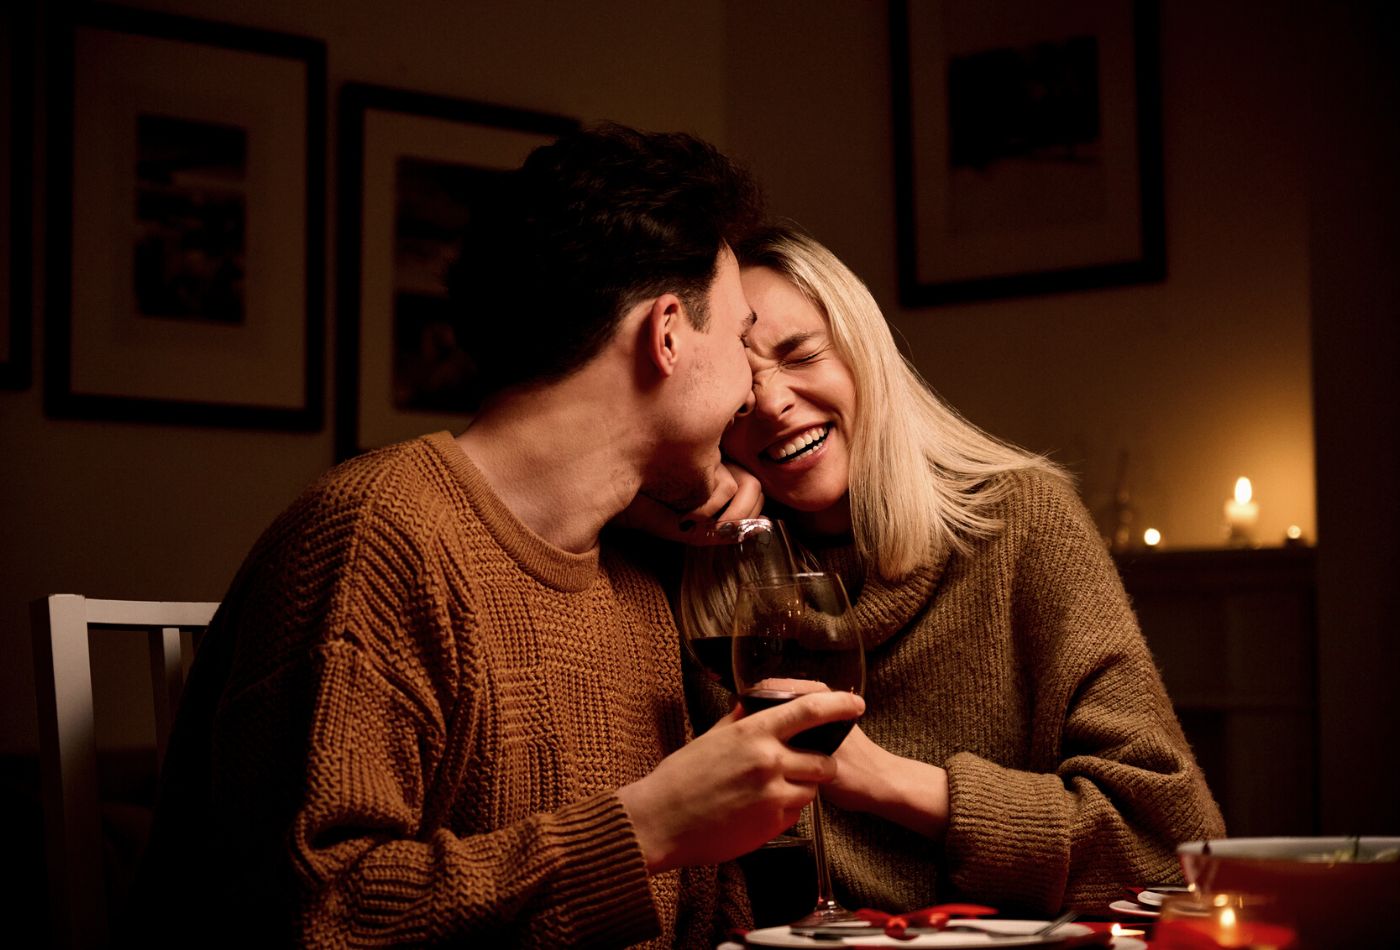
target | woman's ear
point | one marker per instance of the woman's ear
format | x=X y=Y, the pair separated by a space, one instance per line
x=660 y=333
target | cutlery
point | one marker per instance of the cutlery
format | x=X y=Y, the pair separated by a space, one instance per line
x=840 y=932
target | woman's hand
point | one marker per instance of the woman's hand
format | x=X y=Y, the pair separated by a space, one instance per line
x=736 y=495
x=905 y=791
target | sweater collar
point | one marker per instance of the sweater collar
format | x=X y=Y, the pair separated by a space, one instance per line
x=882 y=608
x=551 y=566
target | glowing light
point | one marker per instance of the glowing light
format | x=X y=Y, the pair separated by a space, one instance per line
x=1242 y=514
x=1152 y=537
x=1244 y=491
x=1294 y=532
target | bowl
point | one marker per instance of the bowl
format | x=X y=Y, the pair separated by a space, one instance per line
x=1342 y=892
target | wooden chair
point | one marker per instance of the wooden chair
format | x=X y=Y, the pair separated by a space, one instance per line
x=67 y=744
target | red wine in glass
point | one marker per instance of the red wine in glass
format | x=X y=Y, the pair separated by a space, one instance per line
x=825 y=738
x=716 y=656
x=795 y=635
x=723 y=557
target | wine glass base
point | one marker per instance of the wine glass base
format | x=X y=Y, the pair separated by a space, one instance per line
x=826 y=912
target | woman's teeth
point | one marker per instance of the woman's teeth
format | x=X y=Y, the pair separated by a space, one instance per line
x=800 y=445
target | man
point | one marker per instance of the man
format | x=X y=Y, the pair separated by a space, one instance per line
x=430 y=709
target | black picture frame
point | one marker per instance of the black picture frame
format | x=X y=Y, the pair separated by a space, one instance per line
x=395 y=144
x=1060 y=197
x=200 y=149
x=16 y=196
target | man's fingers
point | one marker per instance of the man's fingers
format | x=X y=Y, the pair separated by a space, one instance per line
x=809 y=769
x=804 y=712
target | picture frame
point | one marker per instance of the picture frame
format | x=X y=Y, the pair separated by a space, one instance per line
x=16 y=195
x=186 y=273
x=1028 y=156
x=409 y=166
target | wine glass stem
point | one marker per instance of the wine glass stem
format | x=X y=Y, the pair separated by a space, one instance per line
x=826 y=900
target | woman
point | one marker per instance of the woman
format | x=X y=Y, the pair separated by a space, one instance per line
x=1018 y=746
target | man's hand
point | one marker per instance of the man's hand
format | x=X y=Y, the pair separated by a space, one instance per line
x=734 y=787
x=736 y=495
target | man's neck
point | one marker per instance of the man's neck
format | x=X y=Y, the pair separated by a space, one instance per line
x=560 y=460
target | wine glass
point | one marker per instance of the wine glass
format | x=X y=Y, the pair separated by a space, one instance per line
x=796 y=635
x=723 y=557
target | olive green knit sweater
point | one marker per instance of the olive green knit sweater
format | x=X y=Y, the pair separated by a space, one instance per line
x=407 y=724
x=1020 y=669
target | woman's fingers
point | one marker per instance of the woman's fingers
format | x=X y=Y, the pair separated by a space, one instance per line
x=747 y=500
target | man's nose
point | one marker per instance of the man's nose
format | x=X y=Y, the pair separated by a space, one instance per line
x=747 y=406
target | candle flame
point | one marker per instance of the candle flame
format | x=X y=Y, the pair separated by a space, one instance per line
x=1152 y=537
x=1116 y=930
x=1295 y=532
x=1228 y=919
x=1244 y=491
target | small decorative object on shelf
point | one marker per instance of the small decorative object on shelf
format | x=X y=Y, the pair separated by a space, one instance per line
x=1241 y=515
x=1116 y=522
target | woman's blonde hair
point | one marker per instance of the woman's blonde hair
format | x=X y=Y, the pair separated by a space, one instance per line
x=921 y=476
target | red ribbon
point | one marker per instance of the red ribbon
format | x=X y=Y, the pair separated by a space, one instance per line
x=935 y=918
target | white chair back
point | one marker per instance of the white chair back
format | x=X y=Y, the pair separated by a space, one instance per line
x=67 y=743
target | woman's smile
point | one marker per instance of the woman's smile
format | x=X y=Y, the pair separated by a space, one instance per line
x=803 y=445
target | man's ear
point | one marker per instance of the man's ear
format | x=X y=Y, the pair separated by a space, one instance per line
x=660 y=336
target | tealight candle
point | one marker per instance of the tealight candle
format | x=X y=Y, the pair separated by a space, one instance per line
x=1242 y=514
x=1223 y=920
x=1118 y=930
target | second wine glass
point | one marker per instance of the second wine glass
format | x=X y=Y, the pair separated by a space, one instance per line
x=724 y=557
x=796 y=635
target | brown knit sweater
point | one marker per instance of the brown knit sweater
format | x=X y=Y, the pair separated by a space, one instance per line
x=407 y=725
x=1020 y=669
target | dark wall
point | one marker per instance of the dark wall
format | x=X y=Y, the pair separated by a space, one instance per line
x=1354 y=186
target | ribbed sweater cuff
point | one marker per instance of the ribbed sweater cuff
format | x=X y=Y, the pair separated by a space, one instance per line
x=603 y=885
x=1008 y=834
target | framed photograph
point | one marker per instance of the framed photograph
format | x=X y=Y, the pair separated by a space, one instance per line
x=411 y=167
x=187 y=223
x=16 y=204
x=1027 y=147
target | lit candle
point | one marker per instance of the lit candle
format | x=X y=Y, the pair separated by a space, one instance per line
x=1242 y=514
x=1152 y=537
x=1118 y=930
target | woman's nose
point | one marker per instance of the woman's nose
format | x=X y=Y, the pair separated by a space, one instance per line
x=771 y=397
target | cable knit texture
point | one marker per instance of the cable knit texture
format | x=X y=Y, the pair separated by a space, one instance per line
x=407 y=725
x=1020 y=669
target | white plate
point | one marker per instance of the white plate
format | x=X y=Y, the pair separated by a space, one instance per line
x=1151 y=898
x=1131 y=907
x=783 y=937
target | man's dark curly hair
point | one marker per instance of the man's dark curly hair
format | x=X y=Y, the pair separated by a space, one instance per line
x=589 y=226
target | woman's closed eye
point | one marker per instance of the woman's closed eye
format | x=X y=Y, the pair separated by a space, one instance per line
x=808 y=358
